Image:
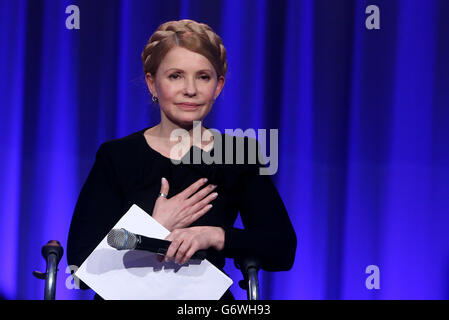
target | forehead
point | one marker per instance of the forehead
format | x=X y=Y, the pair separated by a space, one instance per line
x=184 y=59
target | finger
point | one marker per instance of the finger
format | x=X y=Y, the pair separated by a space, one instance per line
x=188 y=255
x=187 y=192
x=200 y=194
x=182 y=251
x=200 y=205
x=173 y=248
x=194 y=247
x=164 y=186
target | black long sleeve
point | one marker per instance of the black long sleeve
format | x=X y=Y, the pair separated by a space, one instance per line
x=268 y=234
x=99 y=205
x=127 y=171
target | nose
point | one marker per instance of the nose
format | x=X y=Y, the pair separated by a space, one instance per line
x=189 y=87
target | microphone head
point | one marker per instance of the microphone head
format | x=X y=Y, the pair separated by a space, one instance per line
x=122 y=239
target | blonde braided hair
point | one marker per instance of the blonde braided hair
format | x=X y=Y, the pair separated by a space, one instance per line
x=194 y=36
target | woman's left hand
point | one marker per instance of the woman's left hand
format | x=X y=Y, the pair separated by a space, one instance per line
x=187 y=241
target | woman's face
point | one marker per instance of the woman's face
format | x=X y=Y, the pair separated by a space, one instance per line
x=186 y=85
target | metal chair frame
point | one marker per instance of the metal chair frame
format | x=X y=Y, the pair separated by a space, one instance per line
x=249 y=267
x=52 y=253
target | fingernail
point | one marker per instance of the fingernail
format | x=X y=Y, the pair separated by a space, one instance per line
x=204 y=180
x=215 y=194
x=163 y=179
x=214 y=186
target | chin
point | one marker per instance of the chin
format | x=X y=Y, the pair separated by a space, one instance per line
x=187 y=121
x=188 y=117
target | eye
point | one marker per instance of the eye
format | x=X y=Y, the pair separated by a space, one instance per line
x=174 y=76
x=205 y=77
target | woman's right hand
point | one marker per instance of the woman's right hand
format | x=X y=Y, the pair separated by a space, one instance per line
x=181 y=210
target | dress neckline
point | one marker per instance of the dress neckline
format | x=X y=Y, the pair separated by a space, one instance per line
x=141 y=133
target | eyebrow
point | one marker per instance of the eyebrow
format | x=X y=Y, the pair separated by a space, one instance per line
x=180 y=70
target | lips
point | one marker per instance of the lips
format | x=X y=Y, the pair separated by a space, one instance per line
x=188 y=105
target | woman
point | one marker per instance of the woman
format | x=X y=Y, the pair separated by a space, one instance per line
x=185 y=66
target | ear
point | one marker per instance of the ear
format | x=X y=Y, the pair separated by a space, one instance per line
x=220 y=85
x=151 y=83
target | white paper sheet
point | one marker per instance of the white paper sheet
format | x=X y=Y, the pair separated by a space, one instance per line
x=137 y=275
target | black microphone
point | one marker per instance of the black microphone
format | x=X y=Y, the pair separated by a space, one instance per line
x=122 y=239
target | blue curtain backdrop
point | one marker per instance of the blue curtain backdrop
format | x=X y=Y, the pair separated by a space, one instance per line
x=362 y=116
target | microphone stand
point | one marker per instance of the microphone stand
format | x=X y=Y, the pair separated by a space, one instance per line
x=52 y=253
x=250 y=267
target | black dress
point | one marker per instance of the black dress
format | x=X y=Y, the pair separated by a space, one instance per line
x=128 y=171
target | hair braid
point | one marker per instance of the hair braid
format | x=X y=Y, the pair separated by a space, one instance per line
x=197 y=37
